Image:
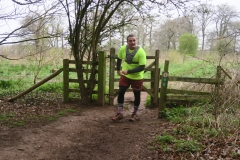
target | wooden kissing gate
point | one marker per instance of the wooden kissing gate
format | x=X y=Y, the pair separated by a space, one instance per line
x=159 y=96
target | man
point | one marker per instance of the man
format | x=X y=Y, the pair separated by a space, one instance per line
x=132 y=73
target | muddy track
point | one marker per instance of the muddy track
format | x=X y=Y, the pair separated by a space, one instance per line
x=87 y=135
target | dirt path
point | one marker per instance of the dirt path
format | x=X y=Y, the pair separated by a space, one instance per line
x=89 y=135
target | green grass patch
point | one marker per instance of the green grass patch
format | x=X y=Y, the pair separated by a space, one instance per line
x=65 y=111
x=175 y=115
x=188 y=146
x=148 y=101
x=51 y=87
x=51 y=118
x=6 y=84
x=170 y=143
x=8 y=119
x=19 y=123
x=195 y=125
x=165 y=139
x=11 y=120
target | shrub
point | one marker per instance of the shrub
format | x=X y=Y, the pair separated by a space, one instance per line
x=188 y=44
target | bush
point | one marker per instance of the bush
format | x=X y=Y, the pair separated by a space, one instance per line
x=188 y=44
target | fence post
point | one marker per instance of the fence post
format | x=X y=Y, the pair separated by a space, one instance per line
x=65 y=80
x=218 y=75
x=152 y=87
x=215 y=95
x=111 y=76
x=163 y=90
x=157 y=77
x=101 y=77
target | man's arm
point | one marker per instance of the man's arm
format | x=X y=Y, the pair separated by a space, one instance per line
x=119 y=62
x=138 y=69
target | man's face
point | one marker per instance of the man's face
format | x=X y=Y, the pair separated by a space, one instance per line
x=131 y=42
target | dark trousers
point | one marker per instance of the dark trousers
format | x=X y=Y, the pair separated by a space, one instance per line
x=122 y=91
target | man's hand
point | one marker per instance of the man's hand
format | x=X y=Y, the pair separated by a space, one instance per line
x=120 y=73
x=125 y=72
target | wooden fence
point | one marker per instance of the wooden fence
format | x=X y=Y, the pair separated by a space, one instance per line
x=159 y=96
x=35 y=86
x=101 y=80
x=186 y=95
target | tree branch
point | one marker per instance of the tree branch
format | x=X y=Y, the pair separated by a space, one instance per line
x=27 y=2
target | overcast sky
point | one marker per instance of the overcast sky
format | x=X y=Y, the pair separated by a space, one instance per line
x=234 y=3
x=10 y=25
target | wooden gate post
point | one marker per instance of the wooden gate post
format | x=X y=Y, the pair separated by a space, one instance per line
x=156 y=78
x=65 y=80
x=111 y=76
x=101 y=77
x=152 y=87
x=163 y=90
x=155 y=75
x=216 y=90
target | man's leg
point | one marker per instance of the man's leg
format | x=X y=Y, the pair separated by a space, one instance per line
x=137 y=87
x=121 y=93
x=137 y=99
x=123 y=86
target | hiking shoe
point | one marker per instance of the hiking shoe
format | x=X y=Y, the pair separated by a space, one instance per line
x=117 y=117
x=133 y=118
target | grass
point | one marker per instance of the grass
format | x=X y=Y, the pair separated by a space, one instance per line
x=65 y=111
x=168 y=143
x=194 y=68
x=51 y=87
x=6 y=117
x=198 y=124
x=11 y=119
x=17 y=77
x=195 y=126
x=52 y=118
x=19 y=123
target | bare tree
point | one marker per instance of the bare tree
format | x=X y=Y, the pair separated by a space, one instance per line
x=26 y=2
x=170 y=30
x=38 y=48
x=17 y=11
x=204 y=15
x=234 y=30
x=222 y=38
x=86 y=28
x=224 y=15
x=88 y=23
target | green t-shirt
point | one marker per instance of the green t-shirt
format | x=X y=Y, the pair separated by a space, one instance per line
x=140 y=58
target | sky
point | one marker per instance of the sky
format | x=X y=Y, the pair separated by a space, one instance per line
x=235 y=3
x=12 y=25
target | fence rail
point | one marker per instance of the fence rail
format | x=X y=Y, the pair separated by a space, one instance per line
x=101 y=72
x=159 y=93
x=185 y=95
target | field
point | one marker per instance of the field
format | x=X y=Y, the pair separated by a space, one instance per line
x=40 y=126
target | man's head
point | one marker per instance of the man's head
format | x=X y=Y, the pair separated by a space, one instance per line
x=131 y=41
